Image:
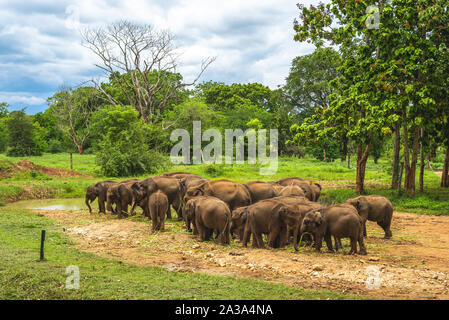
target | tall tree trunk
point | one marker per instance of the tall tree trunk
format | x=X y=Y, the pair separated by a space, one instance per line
x=397 y=148
x=80 y=148
x=445 y=174
x=410 y=164
x=344 y=148
x=421 y=167
x=362 y=158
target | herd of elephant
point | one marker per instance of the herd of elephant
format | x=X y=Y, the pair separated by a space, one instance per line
x=286 y=210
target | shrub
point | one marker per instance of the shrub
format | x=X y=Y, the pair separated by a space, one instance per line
x=123 y=150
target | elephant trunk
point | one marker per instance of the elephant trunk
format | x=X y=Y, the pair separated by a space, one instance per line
x=295 y=238
x=88 y=205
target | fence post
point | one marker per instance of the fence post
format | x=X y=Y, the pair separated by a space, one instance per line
x=42 y=244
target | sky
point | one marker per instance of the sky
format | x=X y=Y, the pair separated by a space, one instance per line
x=41 y=48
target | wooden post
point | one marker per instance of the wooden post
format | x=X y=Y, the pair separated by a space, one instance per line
x=71 y=161
x=42 y=245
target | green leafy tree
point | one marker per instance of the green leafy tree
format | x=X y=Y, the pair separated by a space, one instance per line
x=73 y=109
x=123 y=149
x=22 y=140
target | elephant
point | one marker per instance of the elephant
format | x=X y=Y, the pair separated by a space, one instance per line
x=265 y=217
x=209 y=214
x=339 y=221
x=233 y=194
x=316 y=188
x=170 y=186
x=190 y=181
x=292 y=190
x=122 y=196
x=238 y=220
x=277 y=187
x=98 y=190
x=304 y=185
x=374 y=208
x=158 y=205
x=180 y=175
x=260 y=190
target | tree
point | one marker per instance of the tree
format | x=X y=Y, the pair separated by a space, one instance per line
x=387 y=71
x=308 y=83
x=21 y=138
x=123 y=149
x=73 y=109
x=3 y=126
x=308 y=87
x=142 y=62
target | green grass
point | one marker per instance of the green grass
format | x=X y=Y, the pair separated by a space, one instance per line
x=22 y=276
x=434 y=200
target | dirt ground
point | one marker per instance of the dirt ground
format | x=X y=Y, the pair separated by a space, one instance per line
x=412 y=265
x=26 y=165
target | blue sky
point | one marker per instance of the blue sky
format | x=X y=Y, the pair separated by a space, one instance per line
x=40 y=43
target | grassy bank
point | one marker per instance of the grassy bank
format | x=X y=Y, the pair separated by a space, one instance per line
x=22 y=276
x=339 y=181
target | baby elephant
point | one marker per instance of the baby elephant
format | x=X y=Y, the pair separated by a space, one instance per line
x=208 y=214
x=340 y=221
x=374 y=208
x=158 y=206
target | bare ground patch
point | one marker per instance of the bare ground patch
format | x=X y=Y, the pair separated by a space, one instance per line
x=412 y=265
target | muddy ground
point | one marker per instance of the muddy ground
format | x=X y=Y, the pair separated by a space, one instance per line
x=412 y=265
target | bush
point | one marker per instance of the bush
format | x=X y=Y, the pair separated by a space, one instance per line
x=123 y=150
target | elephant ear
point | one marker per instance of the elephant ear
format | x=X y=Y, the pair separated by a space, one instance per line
x=318 y=185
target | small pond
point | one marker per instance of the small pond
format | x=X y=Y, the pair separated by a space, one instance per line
x=53 y=204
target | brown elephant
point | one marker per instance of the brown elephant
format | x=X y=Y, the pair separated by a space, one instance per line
x=122 y=196
x=374 y=208
x=304 y=185
x=209 y=214
x=277 y=187
x=98 y=190
x=265 y=217
x=238 y=221
x=190 y=181
x=233 y=194
x=168 y=185
x=180 y=175
x=316 y=189
x=260 y=190
x=292 y=190
x=158 y=205
x=339 y=221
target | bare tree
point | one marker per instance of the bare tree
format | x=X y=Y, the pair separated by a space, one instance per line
x=73 y=109
x=147 y=56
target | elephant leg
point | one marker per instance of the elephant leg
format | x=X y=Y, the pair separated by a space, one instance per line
x=162 y=220
x=385 y=225
x=259 y=239
x=337 y=244
x=318 y=242
x=178 y=208
x=362 y=247
x=353 y=245
x=125 y=209
x=154 y=221
x=364 y=229
x=272 y=236
x=328 y=240
x=169 y=212
x=101 y=206
x=246 y=235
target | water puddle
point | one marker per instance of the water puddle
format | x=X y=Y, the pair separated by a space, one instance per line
x=53 y=204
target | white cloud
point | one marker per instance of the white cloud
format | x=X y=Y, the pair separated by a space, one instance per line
x=252 y=39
